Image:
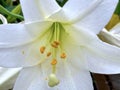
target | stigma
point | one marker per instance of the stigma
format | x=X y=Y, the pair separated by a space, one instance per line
x=53 y=80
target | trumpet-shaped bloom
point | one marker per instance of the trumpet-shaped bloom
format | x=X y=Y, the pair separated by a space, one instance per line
x=58 y=46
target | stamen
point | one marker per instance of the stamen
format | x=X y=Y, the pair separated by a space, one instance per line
x=63 y=55
x=54 y=62
x=48 y=54
x=42 y=49
x=53 y=81
x=54 y=45
x=57 y=42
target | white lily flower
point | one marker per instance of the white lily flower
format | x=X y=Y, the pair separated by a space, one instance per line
x=58 y=46
x=112 y=36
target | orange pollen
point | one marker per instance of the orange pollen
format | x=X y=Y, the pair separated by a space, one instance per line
x=54 y=62
x=63 y=55
x=54 y=45
x=56 y=42
x=42 y=49
x=48 y=54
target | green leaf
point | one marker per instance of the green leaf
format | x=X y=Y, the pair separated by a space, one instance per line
x=6 y=3
x=117 y=11
x=5 y=11
x=3 y=3
x=61 y=2
x=9 y=2
x=16 y=10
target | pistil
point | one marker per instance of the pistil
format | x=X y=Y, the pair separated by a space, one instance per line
x=53 y=81
x=52 y=46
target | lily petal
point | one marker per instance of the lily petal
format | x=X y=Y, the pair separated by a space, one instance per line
x=38 y=10
x=80 y=7
x=3 y=19
x=20 y=48
x=75 y=78
x=75 y=70
x=67 y=15
x=31 y=10
x=36 y=79
x=17 y=34
x=71 y=72
x=48 y=7
x=110 y=37
x=98 y=18
x=103 y=58
x=11 y=34
x=71 y=79
x=78 y=36
x=20 y=56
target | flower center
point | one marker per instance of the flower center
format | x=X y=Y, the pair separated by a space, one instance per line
x=52 y=48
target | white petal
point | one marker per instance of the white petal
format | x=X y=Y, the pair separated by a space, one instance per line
x=73 y=50
x=17 y=34
x=29 y=76
x=3 y=19
x=33 y=78
x=71 y=73
x=48 y=7
x=103 y=58
x=98 y=18
x=67 y=15
x=74 y=78
x=21 y=56
x=11 y=34
x=31 y=10
x=17 y=52
x=78 y=36
x=36 y=29
x=77 y=9
x=110 y=37
x=8 y=77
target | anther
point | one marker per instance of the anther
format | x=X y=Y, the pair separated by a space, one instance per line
x=53 y=81
x=42 y=49
x=54 y=45
x=63 y=55
x=54 y=62
x=56 y=42
x=48 y=54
